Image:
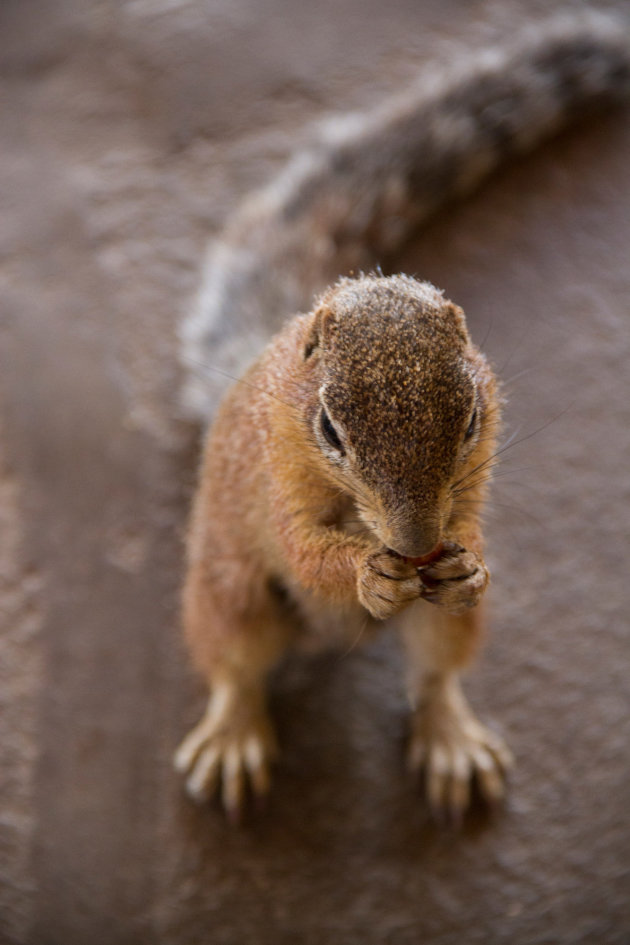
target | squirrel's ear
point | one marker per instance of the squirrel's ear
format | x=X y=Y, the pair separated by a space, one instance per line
x=323 y=319
x=459 y=319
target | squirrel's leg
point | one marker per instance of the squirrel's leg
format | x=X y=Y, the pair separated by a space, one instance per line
x=447 y=742
x=235 y=647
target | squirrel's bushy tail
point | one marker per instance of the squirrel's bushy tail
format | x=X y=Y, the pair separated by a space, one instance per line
x=368 y=179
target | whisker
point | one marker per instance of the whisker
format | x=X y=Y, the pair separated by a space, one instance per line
x=539 y=429
x=362 y=531
x=519 y=374
x=238 y=380
x=488 y=331
x=487 y=465
x=355 y=642
x=492 y=476
x=510 y=443
x=515 y=348
x=359 y=492
x=471 y=486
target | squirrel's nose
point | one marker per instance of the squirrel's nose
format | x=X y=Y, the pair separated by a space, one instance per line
x=416 y=551
x=415 y=542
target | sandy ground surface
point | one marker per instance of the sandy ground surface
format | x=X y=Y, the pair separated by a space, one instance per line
x=129 y=129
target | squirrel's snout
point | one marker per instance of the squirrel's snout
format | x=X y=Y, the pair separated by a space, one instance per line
x=428 y=551
x=416 y=542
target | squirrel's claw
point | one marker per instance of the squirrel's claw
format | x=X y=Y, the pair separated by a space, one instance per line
x=456 y=581
x=453 y=749
x=387 y=583
x=230 y=757
x=449 y=774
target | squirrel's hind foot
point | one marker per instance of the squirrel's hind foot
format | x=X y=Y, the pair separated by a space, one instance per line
x=230 y=750
x=453 y=750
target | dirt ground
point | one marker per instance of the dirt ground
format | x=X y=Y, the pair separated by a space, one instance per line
x=129 y=129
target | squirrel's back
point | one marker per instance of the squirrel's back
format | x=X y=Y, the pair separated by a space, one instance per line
x=350 y=199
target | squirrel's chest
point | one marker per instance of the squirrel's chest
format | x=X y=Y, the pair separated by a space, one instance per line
x=324 y=626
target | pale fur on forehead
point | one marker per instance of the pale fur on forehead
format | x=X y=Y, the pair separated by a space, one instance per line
x=378 y=301
x=351 y=290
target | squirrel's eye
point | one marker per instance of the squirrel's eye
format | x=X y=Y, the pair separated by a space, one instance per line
x=472 y=426
x=330 y=433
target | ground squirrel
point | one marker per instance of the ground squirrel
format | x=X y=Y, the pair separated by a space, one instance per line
x=342 y=479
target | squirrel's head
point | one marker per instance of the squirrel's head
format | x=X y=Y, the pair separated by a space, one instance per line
x=405 y=404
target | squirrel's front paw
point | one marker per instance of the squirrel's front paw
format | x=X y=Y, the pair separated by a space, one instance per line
x=456 y=580
x=386 y=583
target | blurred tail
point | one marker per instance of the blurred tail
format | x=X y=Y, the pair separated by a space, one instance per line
x=369 y=179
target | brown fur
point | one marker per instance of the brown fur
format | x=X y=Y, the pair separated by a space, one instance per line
x=281 y=516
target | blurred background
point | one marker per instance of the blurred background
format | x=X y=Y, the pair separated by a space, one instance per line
x=130 y=128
